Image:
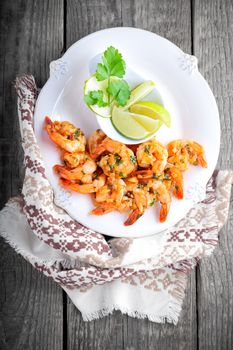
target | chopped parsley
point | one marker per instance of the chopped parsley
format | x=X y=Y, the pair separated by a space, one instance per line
x=111 y=167
x=133 y=159
x=118 y=160
x=141 y=185
x=166 y=177
x=152 y=202
x=147 y=149
x=77 y=134
x=155 y=177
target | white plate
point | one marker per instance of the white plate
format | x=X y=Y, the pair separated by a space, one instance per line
x=180 y=87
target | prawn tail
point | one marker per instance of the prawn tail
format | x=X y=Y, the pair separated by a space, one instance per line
x=65 y=183
x=178 y=184
x=62 y=172
x=165 y=207
x=101 y=148
x=202 y=161
x=178 y=192
x=98 y=151
x=48 y=123
x=48 y=120
x=84 y=188
x=133 y=217
x=58 y=169
x=101 y=210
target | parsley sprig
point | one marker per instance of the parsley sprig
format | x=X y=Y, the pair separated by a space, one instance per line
x=117 y=90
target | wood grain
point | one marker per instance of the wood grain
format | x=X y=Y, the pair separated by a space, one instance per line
x=121 y=332
x=32 y=33
x=213 y=34
x=85 y=17
x=31 y=311
x=172 y=20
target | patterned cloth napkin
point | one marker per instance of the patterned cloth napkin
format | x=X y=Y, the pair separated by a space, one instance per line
x=143 y=277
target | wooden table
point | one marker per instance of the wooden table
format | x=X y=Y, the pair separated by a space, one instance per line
x=34 y=312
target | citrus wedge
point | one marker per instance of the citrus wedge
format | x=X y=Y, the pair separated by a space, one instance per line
x=139 y=92
x=152 y=110
x=93 y=84
x=133 y=126
x=151 y=125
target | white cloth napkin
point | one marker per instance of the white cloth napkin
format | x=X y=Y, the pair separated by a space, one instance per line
x=143 y=277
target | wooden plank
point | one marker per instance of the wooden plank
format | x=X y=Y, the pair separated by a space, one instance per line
x=31 y=35
x=31 y=310
x=121 y=332
x=85 y=17
x=171 y=19
x=213 y=38
x=140 y=334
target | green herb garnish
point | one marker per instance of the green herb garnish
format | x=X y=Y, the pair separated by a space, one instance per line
x=141 y=185
x=166 y=177
x=113 y=65
x=95 y=97
x=133 y=159
x=111 y=167
x=118 y=160
x=152 y=202
x=117 y=90
x=77 y=134
x=147 y=149
x=155 y=177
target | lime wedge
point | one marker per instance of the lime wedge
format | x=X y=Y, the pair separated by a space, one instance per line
x=133 y=126
x=151 y=125
x=139 y=92
x=152 y=110
x=93 y=84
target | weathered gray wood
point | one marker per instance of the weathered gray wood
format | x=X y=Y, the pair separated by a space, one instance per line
x=213 y=34
x=85 y=17
x=31 y=35
x=31 y=310
x=31 y=313
x=172 y=19
x=120 y=332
